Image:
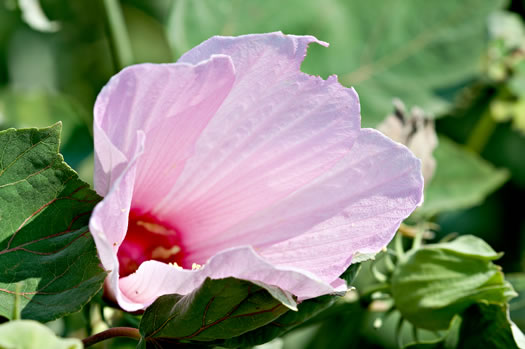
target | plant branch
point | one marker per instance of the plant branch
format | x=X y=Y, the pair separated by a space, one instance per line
x=118 y=34
x=129 y=332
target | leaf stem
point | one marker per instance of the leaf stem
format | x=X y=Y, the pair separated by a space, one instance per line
x=129 y=332
x=398 y=247
x=16 y=307
x=418 y=239
x=119 y=38
x=380 y=287
x=482 y=132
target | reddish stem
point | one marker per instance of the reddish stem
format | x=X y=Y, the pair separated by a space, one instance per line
x=129 y=332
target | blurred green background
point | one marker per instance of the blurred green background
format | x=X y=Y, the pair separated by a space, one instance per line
x=462 y=62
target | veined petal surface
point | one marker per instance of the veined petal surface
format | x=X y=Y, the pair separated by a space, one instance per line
x=278 y=130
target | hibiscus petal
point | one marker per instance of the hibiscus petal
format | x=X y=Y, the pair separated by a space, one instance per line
x=279 y=53
x=109 y=221
x=171 y=104
x=185 y=99
x=154 y=279
x=276 y=131
x=354 y=208
x=109 y=163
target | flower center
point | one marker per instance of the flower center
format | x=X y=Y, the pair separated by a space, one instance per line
x=146 y=240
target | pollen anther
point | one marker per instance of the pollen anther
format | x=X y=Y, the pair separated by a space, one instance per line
x=161 y=252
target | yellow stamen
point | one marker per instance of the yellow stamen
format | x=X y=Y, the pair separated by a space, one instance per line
x=175 y=265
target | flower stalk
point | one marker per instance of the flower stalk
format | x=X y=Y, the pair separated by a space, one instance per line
x=128 y=332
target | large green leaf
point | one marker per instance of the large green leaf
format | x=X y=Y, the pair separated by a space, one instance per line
x=260 y=329
x=286 y=322
x=219 y=309
x=462 y=179
x=439 y=281
x=48 y=260
x=306 y=310
x=410 y=49
x=28 y=334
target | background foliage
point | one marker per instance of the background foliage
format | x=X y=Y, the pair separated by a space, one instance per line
x=462 y=62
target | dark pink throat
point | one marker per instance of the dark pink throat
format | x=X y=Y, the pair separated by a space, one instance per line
x=147 y=239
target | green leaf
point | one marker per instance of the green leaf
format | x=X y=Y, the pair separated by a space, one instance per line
x=350 y=273
x=438 y=344
x=218 y=309
x=306 y=310
x=448 y=341
x=438 y=281
x=517 y=281
x=411 y=49
x=39 y=108
x=469 y=246
x=482 y=325
x=27 y=334
x=462 y=179
x=286 y=322
x=46 y=251
x=31 y=60
x=339 y=326
x=147 y=36
x=487 y=325
x=517 y=305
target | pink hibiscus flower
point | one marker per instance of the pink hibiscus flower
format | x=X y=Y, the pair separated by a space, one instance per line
x=234 y=159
